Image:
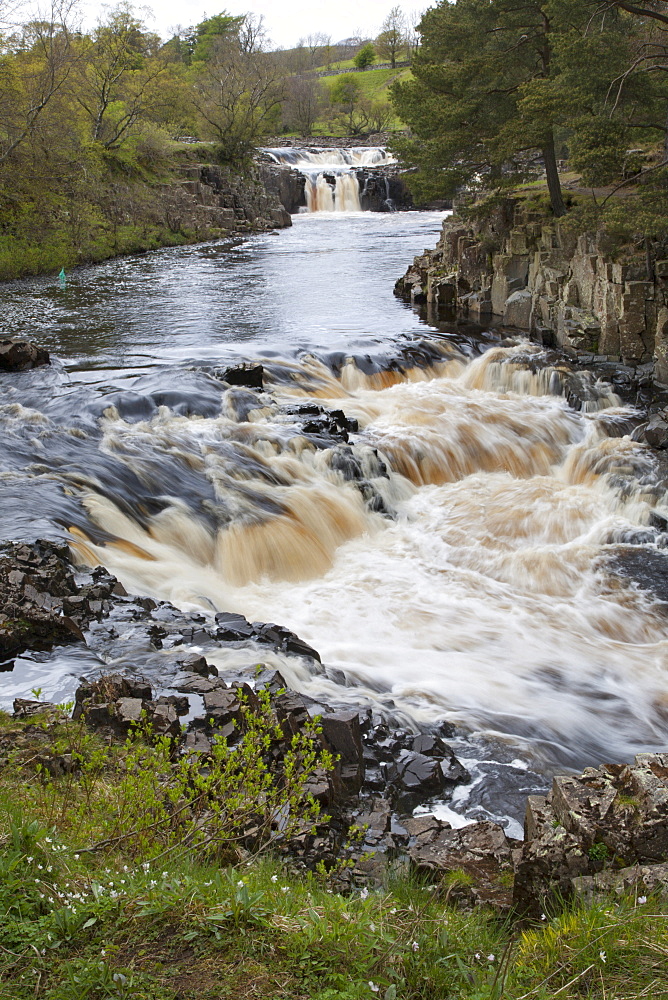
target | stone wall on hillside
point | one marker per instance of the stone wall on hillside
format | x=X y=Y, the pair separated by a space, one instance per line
x=531 y=273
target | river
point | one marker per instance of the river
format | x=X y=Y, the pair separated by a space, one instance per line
x=451 y=563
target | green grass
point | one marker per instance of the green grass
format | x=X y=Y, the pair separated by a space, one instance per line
x=374 y=83
x=130 y=920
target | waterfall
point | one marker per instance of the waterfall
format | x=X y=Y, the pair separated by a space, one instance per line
x=332 y=184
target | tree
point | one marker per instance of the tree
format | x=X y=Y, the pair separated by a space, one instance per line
x=34 y=74
x=211 y=31
x=303 y=103
x=365 y=57
x=237 y=92
x=353 y=111
x=392 y=37
x=117 y=76
x=465 y=104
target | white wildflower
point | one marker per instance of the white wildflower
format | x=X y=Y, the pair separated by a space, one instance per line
x=490 y=958
x=274 y=878
x=602 y=955
x=364 y=893
x=415 y=946
x=641 y=900
x=373 y=987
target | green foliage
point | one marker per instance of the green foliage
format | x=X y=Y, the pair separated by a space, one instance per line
x=123 y=922
x=209 y=32
x=345 y=90
x=598 y=852
x=365 y=57
x=156 y=805
x=597 y=150
x=497 y=84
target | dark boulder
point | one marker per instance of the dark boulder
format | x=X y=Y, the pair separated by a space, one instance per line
x=248 y=375
x=42 y=603
x=19 y=355
x=415 y=778
x=475 y=860
x=342 y=735
x=196 y=664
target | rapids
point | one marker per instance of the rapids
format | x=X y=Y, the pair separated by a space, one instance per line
x=451 y=561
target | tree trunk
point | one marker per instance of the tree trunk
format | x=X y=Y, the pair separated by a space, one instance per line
x=553 y=182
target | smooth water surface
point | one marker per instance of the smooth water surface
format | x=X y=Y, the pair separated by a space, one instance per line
x=324 y=283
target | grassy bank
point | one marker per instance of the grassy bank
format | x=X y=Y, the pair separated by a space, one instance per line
x=103 y=895
x=125 y=203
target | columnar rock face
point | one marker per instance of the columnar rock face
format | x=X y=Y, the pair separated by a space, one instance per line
x=588 y=831
x=217 y=201
x=531 y=273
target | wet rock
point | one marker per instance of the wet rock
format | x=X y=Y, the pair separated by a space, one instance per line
x=454 y=772
x=19 y=355
x=430 y=745
x=377 y=817
x=223 y=710
x=232 y=628
x=128 y=712
x=248 y=375
x=118 y=704
x=109 y=689
x=163 y=720
x=197 y=743
x=42 y=603
x=292 y=712
x=25 y=708
x=200 y=685
x=415 y=778
x=645 y=568
x=283 y=639
x=196 y=664
x=269 y=680
x=181 y=705
x=655 y=432
x=587 y=822
x=342 y=736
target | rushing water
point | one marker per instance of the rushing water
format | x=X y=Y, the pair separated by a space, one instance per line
x=452 y=561
x=332 y=184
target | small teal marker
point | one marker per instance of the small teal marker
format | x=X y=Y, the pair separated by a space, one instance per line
x=63 y=279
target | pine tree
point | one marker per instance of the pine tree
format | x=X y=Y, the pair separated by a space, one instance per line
x=465 y=104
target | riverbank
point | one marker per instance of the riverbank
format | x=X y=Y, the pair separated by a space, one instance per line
x=103 y=892
x=181 y=196
x=576 y=291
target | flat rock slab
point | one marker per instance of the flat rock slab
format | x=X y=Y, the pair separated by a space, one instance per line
x=475 y=861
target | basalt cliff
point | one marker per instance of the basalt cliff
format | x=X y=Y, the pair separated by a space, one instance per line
x=532 y=273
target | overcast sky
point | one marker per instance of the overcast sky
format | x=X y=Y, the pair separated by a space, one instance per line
x=287 y=20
